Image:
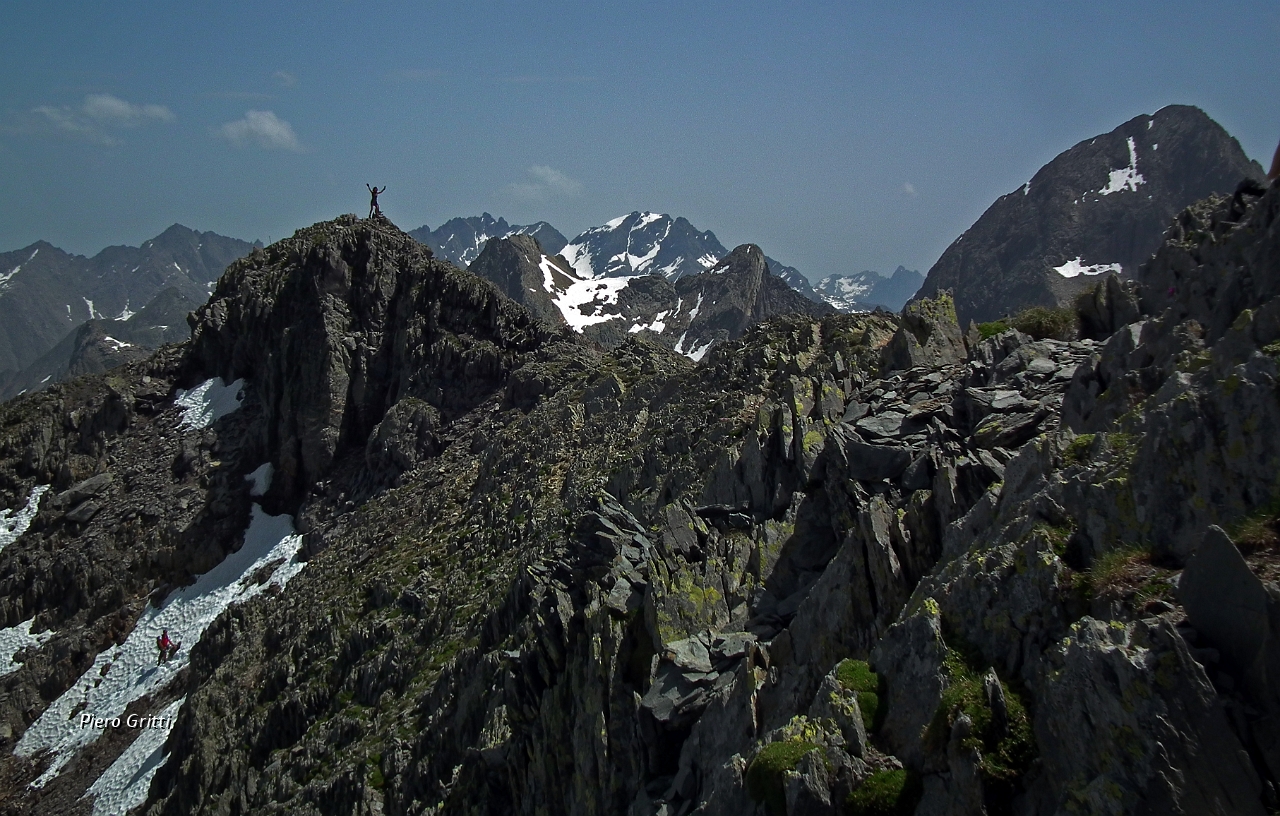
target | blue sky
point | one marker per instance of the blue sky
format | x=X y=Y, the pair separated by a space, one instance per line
x=839 y=137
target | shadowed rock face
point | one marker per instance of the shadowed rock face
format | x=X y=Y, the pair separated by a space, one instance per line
x=338 y=323
x=544 y=575
x=1106 y=201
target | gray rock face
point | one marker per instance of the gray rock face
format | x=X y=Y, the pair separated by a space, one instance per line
x=1105 y=201
x=929 y=337
x=1125 y=712
x=512 y=264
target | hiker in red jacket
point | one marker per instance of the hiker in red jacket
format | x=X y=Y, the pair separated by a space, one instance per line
x=164 y=644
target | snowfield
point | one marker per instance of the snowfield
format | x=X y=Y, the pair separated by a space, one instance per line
x=208 y=402
x=1077 y=267
x=14 y=524
x=124 y=785
x=15 y=639
x=128 y=672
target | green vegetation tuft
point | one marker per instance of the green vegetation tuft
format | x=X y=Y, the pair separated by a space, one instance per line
x=1078 y=451
x=1109 y=569
x=1272 y=349
x=1259 y=530
x=767 y=773
x=992 y=329
x=1123 y=445
x=856 y=676
x=1057 y=537
x=886 y=793
x=1045 y=323
x=1005 y=755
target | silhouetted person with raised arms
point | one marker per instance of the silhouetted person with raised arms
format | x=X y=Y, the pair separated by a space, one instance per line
x=374 y=192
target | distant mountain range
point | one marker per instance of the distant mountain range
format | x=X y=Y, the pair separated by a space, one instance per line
x=658 y=244
x=688 y=313
x=63 y=315
x=460 y=240
x=1100 y=207
x=46 y=295
x=867 y=290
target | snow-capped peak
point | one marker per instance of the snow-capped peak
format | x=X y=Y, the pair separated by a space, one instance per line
x=643 y=243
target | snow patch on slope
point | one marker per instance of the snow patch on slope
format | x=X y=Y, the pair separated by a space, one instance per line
x=208 y=402
x=582 y=304
x=126 y=673
x=658 y=324
x=1126 y=178
x=125 y=784
x=15 y=639
x=14 y=524
x=1077 y=267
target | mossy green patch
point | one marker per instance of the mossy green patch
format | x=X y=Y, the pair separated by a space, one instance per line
x=1056 y=536
x=767 y=773
x=1107 y=570
x=856 y=676
x=1078 y=451
x=886 y=793
x=1007 y=749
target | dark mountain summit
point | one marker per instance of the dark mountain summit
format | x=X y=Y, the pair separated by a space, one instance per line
x=523 y=271
x=429 y=554
x=1100 y=207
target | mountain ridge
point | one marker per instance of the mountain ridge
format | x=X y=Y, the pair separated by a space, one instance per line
x=455 y=560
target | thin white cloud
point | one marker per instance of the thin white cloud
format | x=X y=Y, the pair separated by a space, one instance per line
x=545 y=182
x=909 y=189
x=285 y=79
x=261 y=129
x=113 y=110
x=97 y=113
